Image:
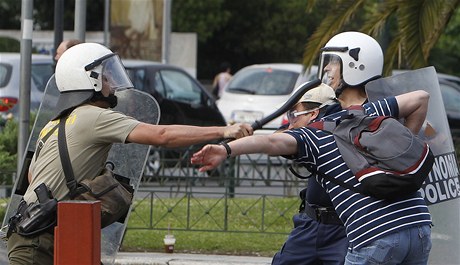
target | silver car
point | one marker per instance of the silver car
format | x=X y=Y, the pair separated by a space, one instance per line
x=42 y=69
x=255 y=91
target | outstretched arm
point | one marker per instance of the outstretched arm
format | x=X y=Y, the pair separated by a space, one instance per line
x=184 y=135
x=212 y=156
x=413 y=106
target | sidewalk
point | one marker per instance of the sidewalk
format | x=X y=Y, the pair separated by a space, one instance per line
x=141 y=258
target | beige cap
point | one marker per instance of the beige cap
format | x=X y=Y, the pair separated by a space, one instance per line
x=322 y=94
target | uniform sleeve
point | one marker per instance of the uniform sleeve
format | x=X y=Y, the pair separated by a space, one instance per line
x=113 y=127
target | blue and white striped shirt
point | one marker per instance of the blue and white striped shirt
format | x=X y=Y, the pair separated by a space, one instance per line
x=365 y=218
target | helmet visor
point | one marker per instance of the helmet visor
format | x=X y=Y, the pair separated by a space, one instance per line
x=330 y=71
x=114 y=74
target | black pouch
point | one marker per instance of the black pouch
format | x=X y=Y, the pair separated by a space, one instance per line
x=38 y=217
x=15 y=219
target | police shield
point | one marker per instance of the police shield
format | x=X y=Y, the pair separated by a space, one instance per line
x=128 y=159
x=441 y=189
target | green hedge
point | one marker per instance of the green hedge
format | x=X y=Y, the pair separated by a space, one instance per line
x=9 y=45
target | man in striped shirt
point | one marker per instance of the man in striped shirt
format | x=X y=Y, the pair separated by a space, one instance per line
x=379 y=231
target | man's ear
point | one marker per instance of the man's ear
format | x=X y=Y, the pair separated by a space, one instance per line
x=315 y=114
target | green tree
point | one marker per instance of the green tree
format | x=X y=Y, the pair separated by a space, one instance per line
x=202 y=17
x=43 y=14
x=445 y=55
x=8 y=150
x=258 y=31
x=10 y=12
x=411 y=28
x=9 y=146
x=9 y=45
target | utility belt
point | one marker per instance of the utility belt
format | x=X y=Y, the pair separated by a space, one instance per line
x=324 y=215
x=36 y=218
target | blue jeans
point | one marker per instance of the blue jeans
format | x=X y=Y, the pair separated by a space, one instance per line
x=410 y=247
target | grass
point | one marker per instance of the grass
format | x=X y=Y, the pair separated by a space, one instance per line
x=265 y=245
x=201 y=230
x=243 y=215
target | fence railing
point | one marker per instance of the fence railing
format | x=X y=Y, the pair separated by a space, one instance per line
x=212 y=212
x=248 y=194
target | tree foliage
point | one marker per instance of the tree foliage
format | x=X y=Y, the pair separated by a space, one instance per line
x=9 y=45
x=9 y=146
x=411 y=28
x=202 y=17
x=258 y=31
x=445 y=55
x=43 y=14
x=412 y=33
x=8 y=150
x=10 y=13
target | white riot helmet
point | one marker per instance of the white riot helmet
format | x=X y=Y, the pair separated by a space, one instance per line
x=81 y=72
x=360 y=57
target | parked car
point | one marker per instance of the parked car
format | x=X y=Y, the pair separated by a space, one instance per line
x=42 y=69
x=256 y=90
x=182 y=100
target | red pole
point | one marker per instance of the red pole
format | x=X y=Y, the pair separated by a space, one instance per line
x=78 y=233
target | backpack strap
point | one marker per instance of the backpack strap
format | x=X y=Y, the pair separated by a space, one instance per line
x=324 y=125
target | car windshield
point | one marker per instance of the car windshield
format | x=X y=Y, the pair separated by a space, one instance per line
x=266 y=81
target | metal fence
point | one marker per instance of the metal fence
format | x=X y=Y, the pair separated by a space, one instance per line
x=250 y=194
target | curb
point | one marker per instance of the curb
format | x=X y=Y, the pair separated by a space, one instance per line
x=140 y=258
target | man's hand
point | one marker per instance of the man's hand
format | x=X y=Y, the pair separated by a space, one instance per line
x=210 y=157
x=238 y=130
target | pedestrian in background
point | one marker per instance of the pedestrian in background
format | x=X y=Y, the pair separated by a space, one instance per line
x=221 y=79
x=63 y=46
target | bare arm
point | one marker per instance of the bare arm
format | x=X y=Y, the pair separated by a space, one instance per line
x=212 y=156
x=184 y=135
x=413 y=106
x=274 y=144
x=216 y=80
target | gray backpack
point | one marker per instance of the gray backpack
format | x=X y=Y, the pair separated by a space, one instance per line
x=385 y=156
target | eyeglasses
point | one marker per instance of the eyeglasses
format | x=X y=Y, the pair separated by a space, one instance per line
x=293 y=114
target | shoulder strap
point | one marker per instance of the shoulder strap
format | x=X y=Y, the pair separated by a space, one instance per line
x=325 y=125
x=42 y=141
x=71 y=183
